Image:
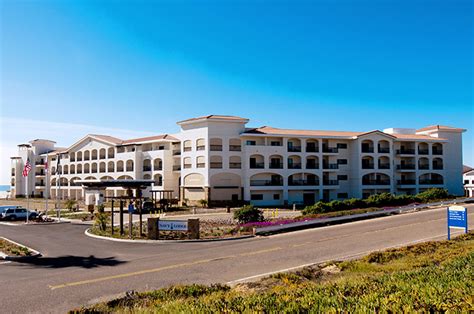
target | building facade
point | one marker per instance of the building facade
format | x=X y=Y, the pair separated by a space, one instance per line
x=219 y=159
x=468 y=182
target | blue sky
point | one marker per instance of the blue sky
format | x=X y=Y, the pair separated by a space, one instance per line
x=143 y=65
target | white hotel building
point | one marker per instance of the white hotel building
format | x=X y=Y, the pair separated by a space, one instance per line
x=219 y=159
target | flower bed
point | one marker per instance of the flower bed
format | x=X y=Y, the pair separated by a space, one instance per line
x=12 y=249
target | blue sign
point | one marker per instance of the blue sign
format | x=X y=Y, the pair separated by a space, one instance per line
x=131 y=209
x=457 y=218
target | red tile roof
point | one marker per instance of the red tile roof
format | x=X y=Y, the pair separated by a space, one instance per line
x=275 y=131
x=439 y=127
x=150 y=138
x=107 y=138
x=214 y=116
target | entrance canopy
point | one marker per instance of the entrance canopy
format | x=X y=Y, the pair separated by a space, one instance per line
x=124 y=183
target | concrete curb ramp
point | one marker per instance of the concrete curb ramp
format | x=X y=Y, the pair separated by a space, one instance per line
x=16 y=258
x=89 y=234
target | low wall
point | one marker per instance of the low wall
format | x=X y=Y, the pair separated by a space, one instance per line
x=35 y=203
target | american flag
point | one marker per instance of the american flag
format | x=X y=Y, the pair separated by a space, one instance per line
x=27 y=168
x=46 y=166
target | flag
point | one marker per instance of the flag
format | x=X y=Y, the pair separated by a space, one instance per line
x=27 y=168
x=58 y=164
x=46 y=166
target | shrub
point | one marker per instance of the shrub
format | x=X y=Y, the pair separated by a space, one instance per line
x=248 y=213
x=70 y=204
x=203 y=203
x=433 y=194
x=355 y=203
x=101 y=220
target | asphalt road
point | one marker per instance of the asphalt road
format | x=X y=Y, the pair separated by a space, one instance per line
x=77 y=270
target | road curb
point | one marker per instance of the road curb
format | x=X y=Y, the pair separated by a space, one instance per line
x=89 y=234
x=16 y=258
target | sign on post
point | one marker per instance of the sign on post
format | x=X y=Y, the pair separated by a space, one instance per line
x=457 y=218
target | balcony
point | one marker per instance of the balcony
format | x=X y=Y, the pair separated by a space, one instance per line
x=235 y=165
x=187 y=149
x=423 y=151
x=235 y=148
x=331 y=150
x=215 y=148
x=437 y=167
x=437 y=152
x=295 y=149
x=424 y=167
x=176 y=167
x=257 y=165
x=406 y=167
x=39 y=184
x=431 y=181
x=384 y=150
x=294 y=166
x=39 y=163
x=201 y=165
x=368 y=166
x=406 y=182
x=266 y=183
x=201 y=147
x=187 y=166
x=405 y=151
x=367 y=149
x=312 y=166
x=330 y=182
x=276 y=166
x=312 y=149
x=39 y=173
x=384 y=166
x=176 y=152
x=375 y=182
x=215 y=165
x=146 y=168
x=303 y=182
x=330 y=166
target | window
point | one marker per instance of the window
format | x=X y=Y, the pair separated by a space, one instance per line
x=256 y=197
x=161 y=147
x=342 y=195
x=342 y=145
x=342 y=161
x=251 y=143
x=275 y=143
x=466 y=181
x=342 y=177
x=276 y=196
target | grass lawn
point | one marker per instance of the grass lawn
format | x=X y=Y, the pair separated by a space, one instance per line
x=427 y=277
x=12 y=249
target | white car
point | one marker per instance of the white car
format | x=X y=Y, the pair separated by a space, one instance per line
x=17 y=213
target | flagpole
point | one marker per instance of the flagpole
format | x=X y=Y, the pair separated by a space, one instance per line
x=27 y=197
x=46 y=188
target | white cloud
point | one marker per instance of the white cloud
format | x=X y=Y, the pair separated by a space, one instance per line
x=14 y=131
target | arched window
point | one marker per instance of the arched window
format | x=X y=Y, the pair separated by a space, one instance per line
x=235 y=145
x=312 y=162
x=367 y=146
x=111 y=152
x=383 y=147
x=423 y=163
x=384 y=162
x=200 y=144
x=79 y=169
x=72 y=156
x=146 y=165
x=120 y=166
x=275 y=162
x=87 y=155
x=215 y=145
x=423 y=149
x=65 y=169
x=72 y=169
x=375 y=179
x=187 y=162
x=294 y=162
x=200 y=162
x=235 y=162
x=215 y=162
x=256 y=162
x=312 y=146
x=367 y=162
x=187 y=146
x=102 y=167
x=110 y=166
x=94 y=154
x=157 y=164
x=294 y=145
x=102 y=153
x=437 y=149
x=79 y=156
x=94 y=167
x=437 y=164
x=158 y=179
x=129 y=165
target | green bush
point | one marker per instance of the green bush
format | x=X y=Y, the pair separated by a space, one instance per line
x=433 y=194
x=70 y=204
x=101 y=220
x=248 y=213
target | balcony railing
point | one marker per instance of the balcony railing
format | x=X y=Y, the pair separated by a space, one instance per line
x=384 y=150
x=215 y=148
x=437 y=151
x=39 y=184
x=187 y=149
x=146 y=168
x=330 y=166
x=187 y=166
x=235 y=165
x=406 y=182
x=201 y=147
x=176 y=152
x=235 y=148
x=176 y=167
x=431 y=181
x=424 y=167
x=294 y=166
x=216 y=165
x=368 y=166
x=406 y=167
x=406 y=151
x=422 y=151
x=367 y=149
x=39 y=173
x=303 y=182
x=376 y=182
x=330 y=182
x=438 y=167
x=39 y=163
x=201 y=165
x=312 y=149
x=312 y=166
x=266 y=183
x=158 y=168
x=384 y=166
x=257 y=165
x=330 y=149
x=294 y=148
x=276 y=166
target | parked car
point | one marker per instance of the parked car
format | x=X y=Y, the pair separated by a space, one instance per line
x=4 y=208
x=17 y=213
